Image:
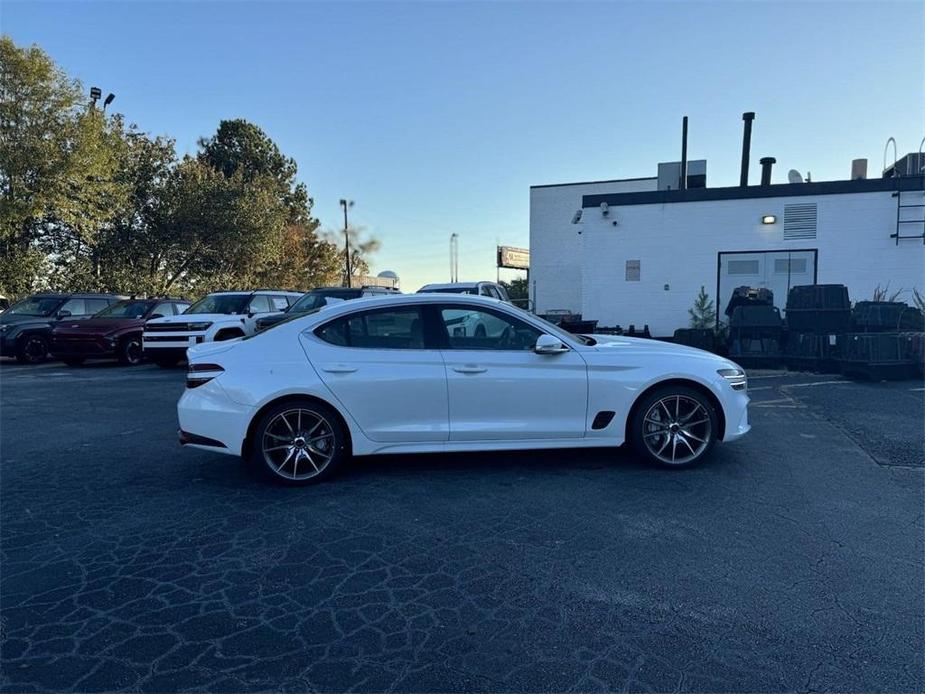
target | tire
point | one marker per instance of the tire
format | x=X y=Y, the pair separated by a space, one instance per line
x=674 y=426
x=166 y=362
x=129 y=351
x=74 y=361
x=33 y=349
x=290 y=428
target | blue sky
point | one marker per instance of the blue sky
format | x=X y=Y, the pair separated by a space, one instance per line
x=437 y=117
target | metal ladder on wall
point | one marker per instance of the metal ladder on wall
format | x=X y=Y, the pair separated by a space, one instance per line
x=917 y=189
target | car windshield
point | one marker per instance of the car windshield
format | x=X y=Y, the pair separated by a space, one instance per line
x=284 y=319
x=221 y=303
x=36 y=306
x=554 y=329
x=449 y=290
x=131 y=308
x=315 y=299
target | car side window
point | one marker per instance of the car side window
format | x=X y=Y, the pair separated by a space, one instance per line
x=278 y=303
x=485 y=290
x=399 y=328
x=96 y=305
x=77 y=307
x=473 y=328
x=260 y=304
x=180 y=308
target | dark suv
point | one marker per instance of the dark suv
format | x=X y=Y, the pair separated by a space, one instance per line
x=113 y=333
x=317 y=298
x=25 y=327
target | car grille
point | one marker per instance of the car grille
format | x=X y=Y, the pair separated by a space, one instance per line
x=169 y=338
x=166 y=327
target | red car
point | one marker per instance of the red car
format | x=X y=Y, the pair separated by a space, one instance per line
x=113 y=333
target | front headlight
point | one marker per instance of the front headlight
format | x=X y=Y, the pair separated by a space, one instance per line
x=199 y=326
x=736 y=378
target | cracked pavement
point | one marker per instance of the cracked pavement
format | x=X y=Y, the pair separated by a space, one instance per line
x=792 y=560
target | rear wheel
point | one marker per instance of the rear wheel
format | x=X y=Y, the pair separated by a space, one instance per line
x=674 y=426
x=130 y=351
x=299 y=442
x=32 y=350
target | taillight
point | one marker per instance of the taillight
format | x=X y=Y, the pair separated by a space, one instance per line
x=198 y=374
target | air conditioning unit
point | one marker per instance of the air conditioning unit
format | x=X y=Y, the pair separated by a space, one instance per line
x=669 y=174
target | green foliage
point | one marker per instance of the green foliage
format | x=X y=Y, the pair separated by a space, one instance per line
x=703 y=313
x=518 y=289
x=362 y=246
x=89 y=203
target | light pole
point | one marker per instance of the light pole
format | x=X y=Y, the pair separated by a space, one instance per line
x=345 y=204
x=454 y=257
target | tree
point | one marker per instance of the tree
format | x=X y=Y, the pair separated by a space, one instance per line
x=703 y=314
x=305 y=261
x=38 y=105
x=361 y=248
x=518 y=289
x=240 y=147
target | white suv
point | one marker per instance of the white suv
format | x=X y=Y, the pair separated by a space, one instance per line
x=218 y=316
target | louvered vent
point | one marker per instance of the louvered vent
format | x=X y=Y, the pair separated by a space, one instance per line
x=800 y=221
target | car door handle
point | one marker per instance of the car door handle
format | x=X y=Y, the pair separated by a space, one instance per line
x=470 y=369
x=338 y=369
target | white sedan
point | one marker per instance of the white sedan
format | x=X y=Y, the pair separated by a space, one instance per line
x=391 y=375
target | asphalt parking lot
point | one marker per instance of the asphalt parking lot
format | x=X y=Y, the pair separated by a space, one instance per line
x=792 y=560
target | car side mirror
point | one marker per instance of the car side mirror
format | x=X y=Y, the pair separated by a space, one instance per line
x=63 y=314
x=155 y=315
x=547 y=344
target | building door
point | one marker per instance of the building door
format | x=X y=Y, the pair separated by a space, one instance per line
x=774 y=270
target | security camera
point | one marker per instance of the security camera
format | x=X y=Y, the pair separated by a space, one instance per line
x=605 y=209
x=576 y=217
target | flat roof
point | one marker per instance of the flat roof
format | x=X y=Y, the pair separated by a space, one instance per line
x=591 y=183
x=775 y=190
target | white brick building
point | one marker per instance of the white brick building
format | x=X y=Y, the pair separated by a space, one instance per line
x=639 y=255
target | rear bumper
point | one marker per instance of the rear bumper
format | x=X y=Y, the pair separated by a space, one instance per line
x=208 y=414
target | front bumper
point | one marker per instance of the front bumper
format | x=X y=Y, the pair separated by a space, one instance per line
x=155 y=342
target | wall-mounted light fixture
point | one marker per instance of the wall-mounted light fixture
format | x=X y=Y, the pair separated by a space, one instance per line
x=769 y=219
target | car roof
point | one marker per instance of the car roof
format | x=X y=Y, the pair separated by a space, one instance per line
x=453 y=285
x=77 y=295
x=256 y=291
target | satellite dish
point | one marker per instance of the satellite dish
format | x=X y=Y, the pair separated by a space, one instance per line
x=794 y=176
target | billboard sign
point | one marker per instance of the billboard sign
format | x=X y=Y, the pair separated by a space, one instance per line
x=516 y=258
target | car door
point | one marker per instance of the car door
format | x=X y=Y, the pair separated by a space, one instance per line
x=377 y=365
x=499 y=388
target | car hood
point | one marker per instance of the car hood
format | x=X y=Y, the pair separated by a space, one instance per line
x=97 y=325
x=197 y=318
x=7 y=318
x=612 y=343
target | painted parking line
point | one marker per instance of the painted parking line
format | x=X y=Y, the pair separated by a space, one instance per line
x=815 y=383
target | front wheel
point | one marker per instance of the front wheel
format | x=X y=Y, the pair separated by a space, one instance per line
x=32 y=350
x=674 y=426
x=130 y=352
x=299 y=442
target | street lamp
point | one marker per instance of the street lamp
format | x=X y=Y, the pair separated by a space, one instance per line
x=345 y=204
x=454 y=257
x=108 y=101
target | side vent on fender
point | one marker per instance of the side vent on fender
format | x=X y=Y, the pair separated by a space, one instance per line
x=602 y=419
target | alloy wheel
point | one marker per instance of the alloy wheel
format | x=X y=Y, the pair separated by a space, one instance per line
x=298 y=444
x=133 y=351
x=677 y=429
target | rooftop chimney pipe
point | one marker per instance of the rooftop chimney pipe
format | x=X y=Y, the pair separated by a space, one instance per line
x=682 y=184
x=766 y=164
x=748 y=117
